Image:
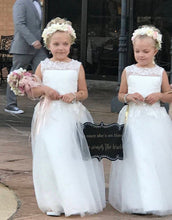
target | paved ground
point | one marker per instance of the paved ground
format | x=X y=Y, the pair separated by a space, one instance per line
x=17 y=199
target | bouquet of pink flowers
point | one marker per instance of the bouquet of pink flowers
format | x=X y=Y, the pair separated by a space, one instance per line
x=21 y=81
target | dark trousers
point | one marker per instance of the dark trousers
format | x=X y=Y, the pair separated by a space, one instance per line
x=23 y=61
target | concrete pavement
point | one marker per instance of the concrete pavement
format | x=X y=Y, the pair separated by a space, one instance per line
x=17 y=199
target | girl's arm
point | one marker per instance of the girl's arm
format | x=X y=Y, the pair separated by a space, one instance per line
x=160 y=96
x=123 y=95
x=166 y=89
x=82 y=92
x=166 y=97
x=123 y=90
x=43 y=90
x=165 y=83
x=38 y=91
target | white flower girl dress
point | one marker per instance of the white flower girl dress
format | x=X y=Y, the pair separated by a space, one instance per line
x=142 y=182
x=66 y=179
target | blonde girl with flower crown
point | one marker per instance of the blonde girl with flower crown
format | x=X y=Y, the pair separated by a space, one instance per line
x=66 y=180
x=142 y=182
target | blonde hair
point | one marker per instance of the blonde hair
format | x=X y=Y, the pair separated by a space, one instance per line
x=58 y=24
x=148 y=31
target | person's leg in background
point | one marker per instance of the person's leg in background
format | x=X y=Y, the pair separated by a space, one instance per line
x=19 y=61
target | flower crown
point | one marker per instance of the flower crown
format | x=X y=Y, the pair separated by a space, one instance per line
x=58 y=27
x=150 y=32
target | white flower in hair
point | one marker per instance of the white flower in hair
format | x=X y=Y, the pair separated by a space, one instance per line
x=58 y=27
x=150 y=32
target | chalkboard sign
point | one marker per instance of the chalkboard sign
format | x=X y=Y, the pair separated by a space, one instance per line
x=104 y=141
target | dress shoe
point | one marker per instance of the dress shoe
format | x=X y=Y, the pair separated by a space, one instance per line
x=13 y=110
x=53 y=214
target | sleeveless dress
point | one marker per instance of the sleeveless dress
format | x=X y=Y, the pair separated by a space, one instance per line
x=142 y=181
x=66 y=179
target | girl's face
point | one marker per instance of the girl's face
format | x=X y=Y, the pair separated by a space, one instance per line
x=59 y=45
x=144 y=51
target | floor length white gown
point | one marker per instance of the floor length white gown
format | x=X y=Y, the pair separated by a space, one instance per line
x=142 y=182
x=66 y=179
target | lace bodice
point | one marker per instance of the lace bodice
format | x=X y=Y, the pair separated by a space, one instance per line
x=144 y=80
x=47 y=64
x=134 y=70
x=61 y=76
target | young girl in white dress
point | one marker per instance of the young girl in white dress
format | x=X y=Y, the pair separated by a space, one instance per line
x=142 y=182
x=66 y=179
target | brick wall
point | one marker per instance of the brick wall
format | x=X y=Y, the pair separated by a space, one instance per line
x=6 y=20
x=6 y=17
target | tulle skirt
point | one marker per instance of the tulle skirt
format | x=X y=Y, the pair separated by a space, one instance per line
x=142 y=182
x=66 y=179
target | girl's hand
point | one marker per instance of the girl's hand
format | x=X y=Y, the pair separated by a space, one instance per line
x=68 y=98
x=135 y=97
x=153 y=98
x=51 y=93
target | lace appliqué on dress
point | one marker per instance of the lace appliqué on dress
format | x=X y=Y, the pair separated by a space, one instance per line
x=138 y=71
x=47 y=64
